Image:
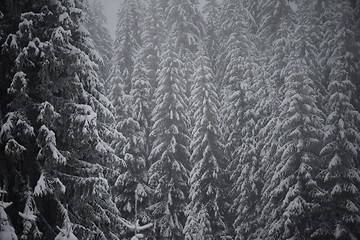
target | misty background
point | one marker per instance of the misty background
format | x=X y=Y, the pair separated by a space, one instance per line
x=111 y=7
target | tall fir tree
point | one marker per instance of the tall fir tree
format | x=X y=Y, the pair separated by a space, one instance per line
x=185 y=22
x=275 y=60
x=206 y=210
x=169 y=172
x=237 y=49
x=57 y=102
x=273 y=15
x=211 y=10
x=341 y=148
x=135 y=151
x=341 y=36
x=340 y=208
x=153 y=38
x=141 y=96
x=131 y=187
x=126 y=46
x=96 y=25
x=291 y=193
x=127 y=39
x=245 y=167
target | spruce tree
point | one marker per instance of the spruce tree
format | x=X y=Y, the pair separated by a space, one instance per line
x=127 y=40
x=237 y=49
x=55 y=122
x=185 y=22
x=135 y=150
x=340 y=38
x=169 y=172
x=291 y=193
x=211 y=10
x=245 y=167
x=141 y=96
x=272 y=89
x=153 y=38
x=131 y=192
x=206 y=210
x=96 y=24
x=273 y=15
x=340 y=208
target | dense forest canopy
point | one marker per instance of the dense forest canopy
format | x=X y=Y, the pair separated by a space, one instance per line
x=239 y=120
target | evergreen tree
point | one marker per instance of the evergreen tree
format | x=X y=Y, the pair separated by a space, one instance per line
x=170 y=155
x=96 y=24
x=211 y=10
x=131 y=187
x=341 y=149
x=245 y=167
x=237 y=49
x=254 y=9
x=135 y=150
x=340 y=208
x=115 y=91
x=239 y=71
x=141 y=95
x=127 y=40
x=291 y=194
x=340 y=39
x=205 y=213
x=272 y=89
x=57 y=102
x=273 y=15
x=153 y=38
x=186 y=23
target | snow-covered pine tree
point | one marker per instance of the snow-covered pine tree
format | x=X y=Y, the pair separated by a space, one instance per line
x=141 y=96
x=153 y=38
x=291 y=194
x=341 y=38
x=211 y=10
x=128 y=39
x=237 y=49
x=96 y=25
x=275 y=25
x=254 y=8
x=271 y=92
x=307 y=52
x=135 y=151
x=308 y=15
x=340 y=212
x=340 y=208
x=57 y=102
x=245 y=167
x=273 y=13
x=136 y=124
x=206 y=210
x=185 y=22
x=170 y=155
x=131 y=186
x=240 y=75
x=115 y=91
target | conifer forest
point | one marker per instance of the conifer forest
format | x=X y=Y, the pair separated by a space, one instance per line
x=210 y=120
